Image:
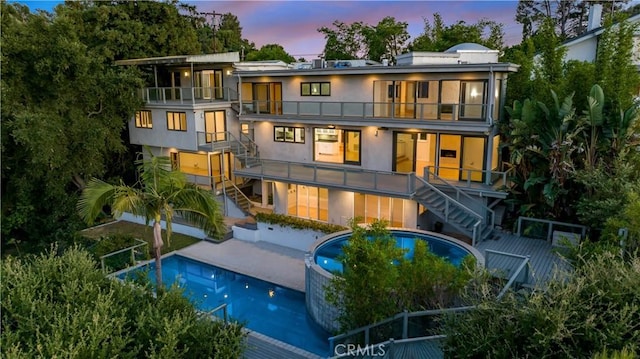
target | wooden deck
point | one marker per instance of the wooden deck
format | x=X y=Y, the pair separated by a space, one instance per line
x=544 y=260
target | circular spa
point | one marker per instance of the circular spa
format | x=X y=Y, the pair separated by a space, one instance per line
x=322 y=261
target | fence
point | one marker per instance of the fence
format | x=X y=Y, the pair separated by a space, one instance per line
x=132 y=252
x=549 y=230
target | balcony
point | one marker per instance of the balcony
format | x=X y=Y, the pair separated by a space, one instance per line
x=369 y=110
x=187 y=95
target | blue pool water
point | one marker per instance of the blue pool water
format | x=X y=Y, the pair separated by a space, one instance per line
x=266 y=308
x=327 y=254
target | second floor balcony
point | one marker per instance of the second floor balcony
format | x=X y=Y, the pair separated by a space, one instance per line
x=187 y=95
x=369 y=110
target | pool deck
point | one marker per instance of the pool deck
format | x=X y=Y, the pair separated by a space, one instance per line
x=269 y=262
x=285 y=267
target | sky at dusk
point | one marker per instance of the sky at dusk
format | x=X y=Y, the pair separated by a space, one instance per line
x=294 y=24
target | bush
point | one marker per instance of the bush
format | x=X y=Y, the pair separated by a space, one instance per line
x=593 y=309
x=298 y=223
x=63 y=306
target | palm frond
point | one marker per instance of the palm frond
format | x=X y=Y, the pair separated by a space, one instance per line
x=94 y=197
x=199 y=207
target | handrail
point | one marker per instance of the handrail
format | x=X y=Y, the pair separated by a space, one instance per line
x=491 y=173
x=132 y=249
x=225 y=182
x=406 y=315
x=583 y=229
x=488 y=211
x=448 y=199
x=363 y=110
x=188 y=94
x=223 y=307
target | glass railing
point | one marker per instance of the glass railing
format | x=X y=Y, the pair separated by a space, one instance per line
x=188 y=95
x=469 y=177
x=369 y=110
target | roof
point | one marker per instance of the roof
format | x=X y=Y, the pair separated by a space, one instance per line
x=227 y=57
x=467 y=46
x=387 y=70
x=595 y=32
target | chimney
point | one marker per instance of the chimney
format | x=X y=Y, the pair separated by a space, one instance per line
x=595 y=17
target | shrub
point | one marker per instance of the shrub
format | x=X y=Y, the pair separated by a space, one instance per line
x=298 y=223
x=595 y=308
x=63 y=306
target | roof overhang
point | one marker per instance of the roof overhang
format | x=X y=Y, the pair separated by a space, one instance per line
x=370 y=70
x=227 y=57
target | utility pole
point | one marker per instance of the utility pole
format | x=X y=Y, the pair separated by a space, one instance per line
x=213 y=25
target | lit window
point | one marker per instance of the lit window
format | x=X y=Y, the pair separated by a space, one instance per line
x=143 y=119
x=288 y=134
x=177 y=121
x=315 y=89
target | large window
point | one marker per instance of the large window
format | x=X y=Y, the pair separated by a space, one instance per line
x=369 y=207
x=315 y=89
x=214 y=126
x=337 y=146
x=177 y=121
x=288 y=134
x=143 y=119
x=308 y=202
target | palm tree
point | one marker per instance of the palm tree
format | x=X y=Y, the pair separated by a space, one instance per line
x=159 y=192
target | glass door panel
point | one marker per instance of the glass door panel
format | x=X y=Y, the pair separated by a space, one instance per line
x=216 y=169
x=471 y=106
x=359 y=206
x=261 y=97
x=383 y=95
x=352 y=147
x=449 y=99
x=425 y=153
x=406 y=97
x=449 y=161
x=397 y=212
x=214 y=126
x=472 y=159
x=405 y=145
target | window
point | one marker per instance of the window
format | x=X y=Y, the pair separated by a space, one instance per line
x=177 y=121
x=423 y=89
x=214 y=126
x=308 y=202
x=315 y=89
x=288 y=134
x=143 y=119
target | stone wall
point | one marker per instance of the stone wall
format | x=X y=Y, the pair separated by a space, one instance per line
x=316 y=279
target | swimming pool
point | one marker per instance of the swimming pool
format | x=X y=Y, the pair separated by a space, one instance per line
x=326 y=252
x=323 y=262
x=264 y=307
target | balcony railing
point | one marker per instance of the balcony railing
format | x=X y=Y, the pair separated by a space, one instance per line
x=369 y=110
x=469 y=177
x=188 y=95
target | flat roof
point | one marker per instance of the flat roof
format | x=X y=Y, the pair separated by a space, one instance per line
x=226 y=57
x=364 y=70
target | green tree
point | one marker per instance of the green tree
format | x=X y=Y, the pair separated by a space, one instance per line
x=63 y=111
x=271 y=52
x=62 y=305
x=595 y=307
x=344 y=41
x=385 y=40
x=160 y=193
x=439 y=37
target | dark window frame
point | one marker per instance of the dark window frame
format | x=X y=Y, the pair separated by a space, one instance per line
x=324 y=88
x=180 y=117
x=143 y=121
x=297 y=134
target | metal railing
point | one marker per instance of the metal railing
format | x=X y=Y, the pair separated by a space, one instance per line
x=338 y=176
x=488 y=216
x=544 y=228
x=470 y=176
x=225 y=140
x=131 y=249
x=225 y=313
x=508 y=265
x=369 y=110
x=451 y=203
x=189 y=95
x=400 y=328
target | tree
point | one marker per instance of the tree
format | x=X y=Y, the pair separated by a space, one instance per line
x=271 y=52
x=344 y=42
x=63 y=111
x=62 y=305
x=595 y=307
x=438 y=37
x=161 y=192
x=386 y=40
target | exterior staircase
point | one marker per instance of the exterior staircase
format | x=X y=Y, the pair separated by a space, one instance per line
x=231 y=191
x=243 y=148
x=451 y=211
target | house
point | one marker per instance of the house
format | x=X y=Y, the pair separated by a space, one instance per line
x=413 y=143
x=585 y=46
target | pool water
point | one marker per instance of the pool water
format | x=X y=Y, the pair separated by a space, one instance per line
x=327 y=255
x=264 y=307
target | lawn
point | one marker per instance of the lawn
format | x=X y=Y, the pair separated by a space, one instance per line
x=145 y=233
